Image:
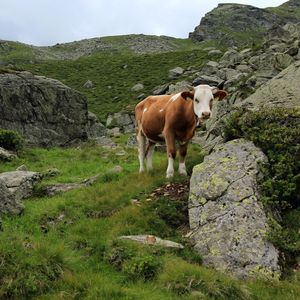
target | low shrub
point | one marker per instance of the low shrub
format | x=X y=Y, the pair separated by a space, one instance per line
x=10 y=140
x=141 y=267
x=277 y=132
x=134 y=260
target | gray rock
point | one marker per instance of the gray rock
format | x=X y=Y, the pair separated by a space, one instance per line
x=20 y=183
x=137 y=87
x=52 y=190
x=212 y=64
x=105 y=141
x=161 y=89
x=214 y=52
x=114 y=132
x=8 y=203
x=88 y=85
x=210 y=80
x=282 y=61
x=6 y=155
x=43 y=110
x=119 y=119
x=228 y=223
x=244 y=69
x=94 y=128
x=176 y=72
x=230 y=58
x=179 y=87
x=283 y=90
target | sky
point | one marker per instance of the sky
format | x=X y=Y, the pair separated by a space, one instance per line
x=47 y=22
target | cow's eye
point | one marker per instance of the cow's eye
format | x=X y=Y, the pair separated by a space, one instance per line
x=196 y=100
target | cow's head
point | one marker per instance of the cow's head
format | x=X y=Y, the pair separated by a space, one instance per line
x=203 y=96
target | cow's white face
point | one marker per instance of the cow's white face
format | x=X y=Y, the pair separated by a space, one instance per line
x=203 y=98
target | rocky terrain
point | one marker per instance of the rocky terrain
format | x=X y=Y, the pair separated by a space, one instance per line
x=243 y=25
x=96 y=206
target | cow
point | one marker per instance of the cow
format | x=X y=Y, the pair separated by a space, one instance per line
x=172 y=118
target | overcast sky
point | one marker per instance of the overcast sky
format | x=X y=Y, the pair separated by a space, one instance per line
x=47 y=22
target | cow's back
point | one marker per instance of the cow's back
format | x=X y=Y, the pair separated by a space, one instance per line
x=150 y=115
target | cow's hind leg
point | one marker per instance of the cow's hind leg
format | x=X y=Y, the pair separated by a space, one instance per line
x=149 y=154
x=141 y=139
x=182 y=156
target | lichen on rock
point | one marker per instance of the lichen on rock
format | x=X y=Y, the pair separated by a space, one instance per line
x=228 y=222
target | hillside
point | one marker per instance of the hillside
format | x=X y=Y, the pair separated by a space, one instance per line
x=15 y=52
x=243 y=25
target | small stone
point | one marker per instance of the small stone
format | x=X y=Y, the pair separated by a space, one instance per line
x=137 y=87
x=89 y=84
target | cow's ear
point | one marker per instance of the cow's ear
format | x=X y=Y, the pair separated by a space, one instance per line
x=220 y=94
x=187 y=95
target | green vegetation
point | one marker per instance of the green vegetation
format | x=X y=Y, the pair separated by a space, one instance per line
x=10 y=140
x=277 y=132
x=114 y=74
x=67 y=246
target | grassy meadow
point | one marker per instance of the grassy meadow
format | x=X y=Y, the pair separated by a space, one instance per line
x=67 y=246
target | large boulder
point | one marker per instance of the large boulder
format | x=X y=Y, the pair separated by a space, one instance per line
x=8 y=203
x=45 y=111
x=228 y=223
x=282 y=90
x=15 y=186
x=20 y=183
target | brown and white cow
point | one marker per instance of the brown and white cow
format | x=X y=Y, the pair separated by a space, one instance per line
x=172 y=118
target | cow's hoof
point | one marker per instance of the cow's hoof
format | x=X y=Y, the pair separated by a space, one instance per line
x=169 y=175
x=183 y=173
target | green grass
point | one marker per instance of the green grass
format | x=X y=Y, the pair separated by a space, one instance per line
x=66 y=247
x=112 y=82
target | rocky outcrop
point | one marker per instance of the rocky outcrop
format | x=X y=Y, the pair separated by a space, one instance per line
x=234 y=24
x=228 y=223
x=15 y=186
x=43 y=110
x=283 y=90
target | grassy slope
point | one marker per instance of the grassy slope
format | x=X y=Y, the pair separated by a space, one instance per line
x=59 y=247
x=112 y=81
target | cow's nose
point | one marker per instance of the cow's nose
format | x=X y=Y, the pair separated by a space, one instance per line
x=205 y=114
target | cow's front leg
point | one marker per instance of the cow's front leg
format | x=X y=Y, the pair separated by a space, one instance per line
x=182 y=156
x=149 y=154
x=171 y=152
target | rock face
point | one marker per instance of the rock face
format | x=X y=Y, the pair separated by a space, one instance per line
x=227 y=21
x=43 y=110
x=282 y=90
x=228 y=223
x=15 y=186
